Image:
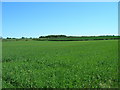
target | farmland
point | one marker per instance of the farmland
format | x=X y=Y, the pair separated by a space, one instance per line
x=63 y=64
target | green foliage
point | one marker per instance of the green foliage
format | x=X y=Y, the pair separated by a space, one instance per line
x=73 y=38
x=53 y=36
x=22 y=37
x=73 y=64
x=8 y=38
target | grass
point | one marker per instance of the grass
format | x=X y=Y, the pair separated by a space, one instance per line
x=63 y=64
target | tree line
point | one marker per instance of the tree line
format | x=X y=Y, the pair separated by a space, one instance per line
x=58 y=36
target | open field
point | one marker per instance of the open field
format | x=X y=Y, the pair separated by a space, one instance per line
x=63 y=64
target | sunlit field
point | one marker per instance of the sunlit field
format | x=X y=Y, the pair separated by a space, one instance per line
x=60 y=64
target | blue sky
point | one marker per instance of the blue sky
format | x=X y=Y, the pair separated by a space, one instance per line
x=34 y=19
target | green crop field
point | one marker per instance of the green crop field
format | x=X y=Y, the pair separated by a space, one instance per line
x=60 y=64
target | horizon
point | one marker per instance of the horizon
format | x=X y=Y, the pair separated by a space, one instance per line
x=65 y=35
x=28 y=19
